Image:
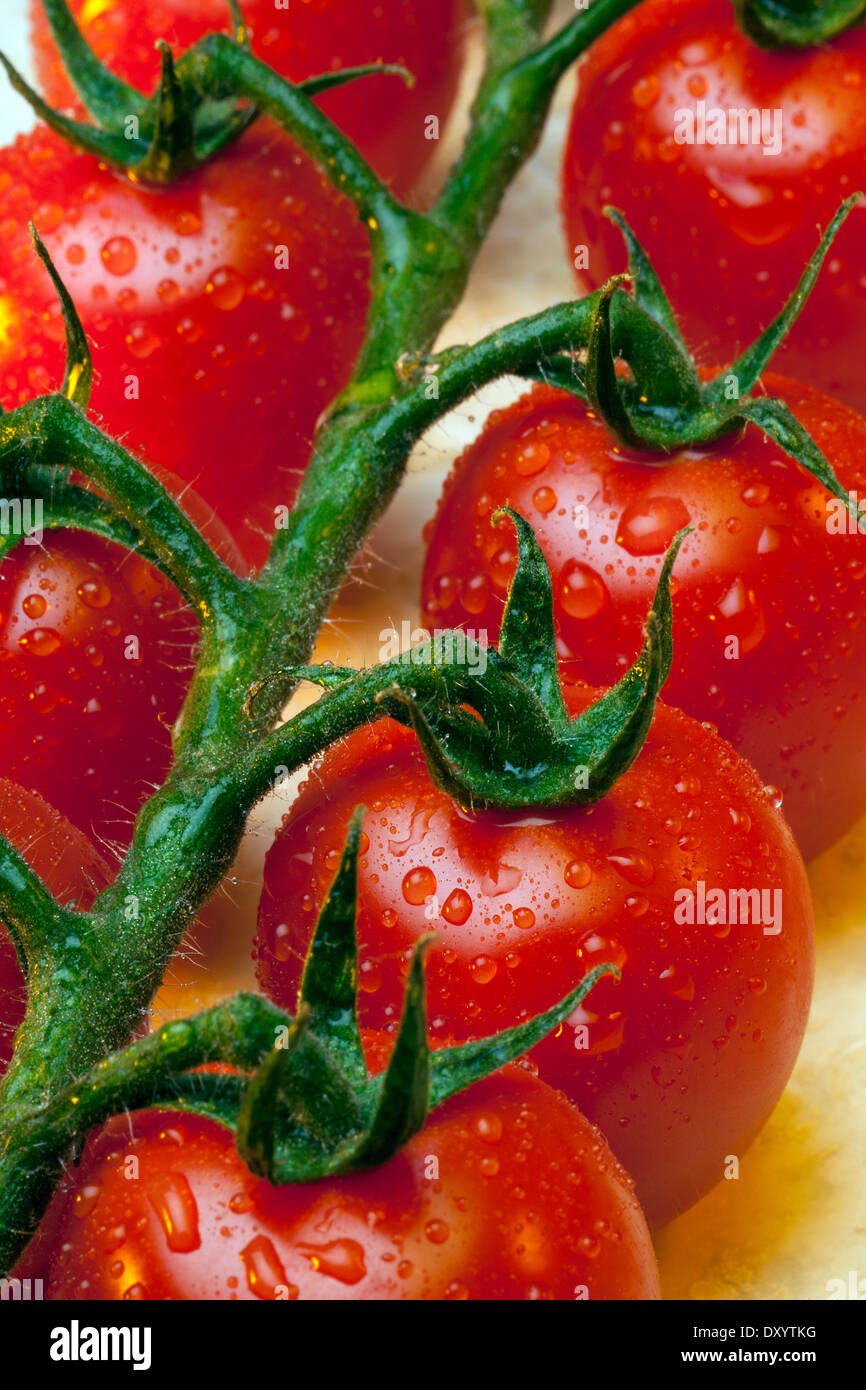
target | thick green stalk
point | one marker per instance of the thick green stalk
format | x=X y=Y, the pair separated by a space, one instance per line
x=91 y=986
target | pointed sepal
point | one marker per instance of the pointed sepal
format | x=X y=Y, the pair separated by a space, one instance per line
x=660 y=404
x=515 y=746
x=188 y=119
x=78 y=375
x=329 y=984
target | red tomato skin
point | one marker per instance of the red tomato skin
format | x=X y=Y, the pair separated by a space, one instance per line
x=761 y=566
x=686 y=1055
x=65 y=860
x=210 y=359
x=383 y=116
x=85 y=711
x=728 y=228
x=195 y=1224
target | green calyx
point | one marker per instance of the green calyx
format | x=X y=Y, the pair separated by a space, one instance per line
x=157 y=139
x=660 y=404
x=492 y=723
x=304 y=1106
x=796 y=23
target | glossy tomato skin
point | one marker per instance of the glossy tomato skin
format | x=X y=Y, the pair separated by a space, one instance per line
x=683 y=1058
x=762 y=568
x=728 y=227
x=382 y=115
x=96 y=653
x=224 y=313
x=64 y=859
x=530 y=1203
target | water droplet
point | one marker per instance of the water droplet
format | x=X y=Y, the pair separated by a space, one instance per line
x=437 y=1232
x=483 y=969
x=172 y=1199
x=544 y=499
x=689 y=785
x=755 y=495
x=42 y=641
x=582 y=592
x=744 y=612
x=678 y=983
x=86 y=1199
x=475 y=592
x=648 y=526
x=186 y=223
x=95 y=593
x=168 y=291
x=646 y=91
x=34 y=605
x=369 y=977
x=578 y=874
x=769 y=540
x=531 y=459
x=189 y=331
x=142 y=341
x=339 y=1259
x=226 y=288
x=265 y=1273
x=489 y=1128
x=119 y=255
x=524 y=918
x=634 y=865
x=419 y=885
x=457 y=907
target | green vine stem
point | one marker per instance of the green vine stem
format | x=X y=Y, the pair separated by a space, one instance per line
x=91 y=978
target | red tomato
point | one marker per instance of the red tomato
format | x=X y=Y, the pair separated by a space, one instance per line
x=528 y=1203
x=210 y=360
x=96 y=651
x=64 y=859
x=383 y=116
x=769 y=638
x=729 y=227
x=682 y=1060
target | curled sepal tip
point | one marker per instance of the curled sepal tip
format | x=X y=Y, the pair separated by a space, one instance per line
x=659 y=404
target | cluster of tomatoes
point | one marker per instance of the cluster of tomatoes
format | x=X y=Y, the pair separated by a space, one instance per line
x=670 y=1069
